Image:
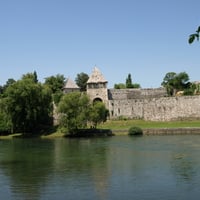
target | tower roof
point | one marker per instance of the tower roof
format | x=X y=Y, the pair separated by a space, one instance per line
x=70 y=84
x=96 y=77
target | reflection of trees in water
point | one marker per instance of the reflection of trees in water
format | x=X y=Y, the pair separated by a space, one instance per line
x=84 y=159
x=184 y=167
x=27 y=166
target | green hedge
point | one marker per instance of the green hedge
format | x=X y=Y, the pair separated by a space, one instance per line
x=135 y=131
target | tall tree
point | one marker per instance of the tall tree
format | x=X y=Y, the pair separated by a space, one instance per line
x=169 y=82
x=81 y=81
x=9 y=82
x=32 y=76
x=98 y=113
x=55 y=83
x=28 y=105
x=175 y=82
x=5 y=123
x=74 y=111
x=129 y=83
x=1 y=90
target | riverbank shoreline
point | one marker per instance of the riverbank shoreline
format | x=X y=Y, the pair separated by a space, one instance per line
x=163 y=131
x=124 y=132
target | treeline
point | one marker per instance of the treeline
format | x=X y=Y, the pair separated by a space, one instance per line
x=175 y=84
x=27 y=105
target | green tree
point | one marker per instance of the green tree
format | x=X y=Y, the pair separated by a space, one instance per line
x=120 y=86
x=136 y=85
x=74 y=111
x=5 y=123
x=169 y=83
x=9 y=82
x=98 y=113
x=81 y=81
x=1 y=90
x=55 y=83
x=175 y=82
x=129 y=83
x=32 y=76
x=28 y=105
x=194 y=36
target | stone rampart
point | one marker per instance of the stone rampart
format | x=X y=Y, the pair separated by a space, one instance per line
x=156 y=109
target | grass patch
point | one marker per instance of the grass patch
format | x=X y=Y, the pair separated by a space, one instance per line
x=10 y=136
x=126 y=124
x=53 y=135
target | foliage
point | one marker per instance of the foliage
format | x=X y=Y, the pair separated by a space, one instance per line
x=98 y=113
x=9 y=82
x=5 y=123
x=57 y=97
x=55 y=83
x=74 y=111
x=136 y=85
x=128 y=84
x=175 y=82
x=168 y=82
x=81 y=81
x=28 y=105
x=194 y=36
x=120 y=86
x=1 y=90
x=134 y=130
x=32 y=76
x=191 y=89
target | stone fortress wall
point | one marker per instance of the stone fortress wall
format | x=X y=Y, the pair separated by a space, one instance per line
x=154 y=108
x=147 y=104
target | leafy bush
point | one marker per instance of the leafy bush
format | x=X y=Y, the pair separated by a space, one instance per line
x=135 y=131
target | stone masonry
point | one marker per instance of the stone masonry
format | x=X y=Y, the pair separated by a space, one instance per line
x=147 y=104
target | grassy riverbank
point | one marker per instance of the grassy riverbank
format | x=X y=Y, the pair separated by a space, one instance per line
x=126 y=124
x=120 y=127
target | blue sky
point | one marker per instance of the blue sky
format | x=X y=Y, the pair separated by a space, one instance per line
x=146 y=38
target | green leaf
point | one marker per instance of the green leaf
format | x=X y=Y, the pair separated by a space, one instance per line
x=191 y=39
x=198 y=30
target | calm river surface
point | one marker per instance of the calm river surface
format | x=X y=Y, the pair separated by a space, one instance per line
x=120 y=167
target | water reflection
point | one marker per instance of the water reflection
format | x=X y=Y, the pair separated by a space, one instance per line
x=85 y=159
x=27 y=166
x=152 y=167
x=185 y=160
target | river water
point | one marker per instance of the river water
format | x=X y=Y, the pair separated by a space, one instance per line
x=120 y=167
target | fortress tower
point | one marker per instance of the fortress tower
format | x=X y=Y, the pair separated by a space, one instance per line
x=97 y=86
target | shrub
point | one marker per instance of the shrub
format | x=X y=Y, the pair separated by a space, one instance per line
x=135 y=131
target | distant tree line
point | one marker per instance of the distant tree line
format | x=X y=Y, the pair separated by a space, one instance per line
x=175 y=83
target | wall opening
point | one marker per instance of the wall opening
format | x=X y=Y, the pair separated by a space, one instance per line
x=97 y=100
